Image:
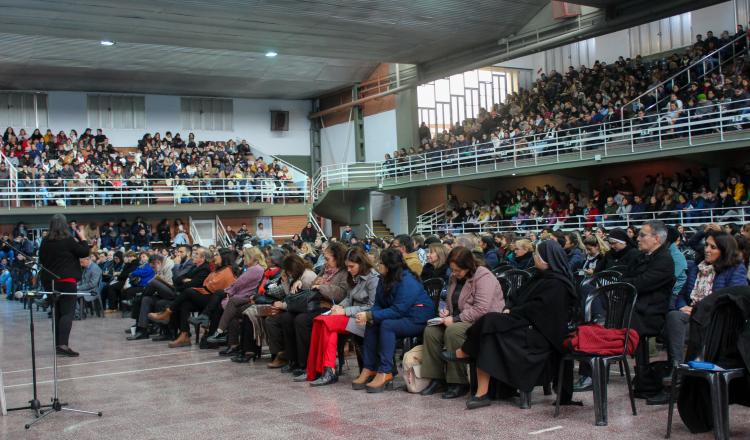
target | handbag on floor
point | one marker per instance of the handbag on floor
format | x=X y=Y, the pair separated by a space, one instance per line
x=412 y=364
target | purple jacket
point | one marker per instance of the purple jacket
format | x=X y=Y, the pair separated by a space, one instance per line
x=245 y=286
x=481 y=294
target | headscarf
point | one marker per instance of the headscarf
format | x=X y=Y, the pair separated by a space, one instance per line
x=553 y=254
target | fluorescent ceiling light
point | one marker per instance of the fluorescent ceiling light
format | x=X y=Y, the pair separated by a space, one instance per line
x=107 y=43
x=271 y=54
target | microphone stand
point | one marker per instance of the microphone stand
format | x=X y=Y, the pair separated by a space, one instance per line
x=56 y=406
x=34 y=403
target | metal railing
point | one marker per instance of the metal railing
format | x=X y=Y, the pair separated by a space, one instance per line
x=311 y=218
x=685 y=217
x=713 y=59
x=434 y=216
x=222 y=237
x=711 y=124
x=70 y=192
x=194 y=234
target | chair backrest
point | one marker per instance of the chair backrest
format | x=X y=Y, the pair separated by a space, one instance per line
x=434 y=287
x=516 y=278
x=719 y=344
x=620 y=300
x=502 y=268
x=504 y=285
x=606 y=277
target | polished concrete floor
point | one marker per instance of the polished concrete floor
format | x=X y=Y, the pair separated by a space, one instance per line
x=148 y=391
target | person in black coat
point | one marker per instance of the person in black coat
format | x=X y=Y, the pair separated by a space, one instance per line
x=60 y=254
x=652 y=274
x=621 y=251
x=309 y=234
x=517 y=346
x=437 y=263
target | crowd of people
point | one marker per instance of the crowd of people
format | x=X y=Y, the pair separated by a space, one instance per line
x=301 y=299
x=685 y=197
x=55 y=169
x=565 y=106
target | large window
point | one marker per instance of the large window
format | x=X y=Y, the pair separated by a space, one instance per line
x=444 y=102
x=116 y=111
x=23 y=110
x=207 y=114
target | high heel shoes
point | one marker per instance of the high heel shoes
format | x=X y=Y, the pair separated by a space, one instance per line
x=382 y=382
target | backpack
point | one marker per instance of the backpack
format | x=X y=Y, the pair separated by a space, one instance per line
x=412 y=363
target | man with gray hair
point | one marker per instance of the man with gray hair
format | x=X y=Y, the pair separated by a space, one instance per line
x=91 y=278
x=652 y=274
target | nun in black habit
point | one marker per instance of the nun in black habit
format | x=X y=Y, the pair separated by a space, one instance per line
x=517 y=346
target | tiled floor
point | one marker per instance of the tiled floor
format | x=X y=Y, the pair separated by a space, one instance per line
x=148 y=391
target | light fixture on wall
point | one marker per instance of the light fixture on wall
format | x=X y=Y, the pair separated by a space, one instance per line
x=271 y=54
x=107 y=43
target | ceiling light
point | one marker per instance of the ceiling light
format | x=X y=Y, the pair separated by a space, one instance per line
x=107 y=43
x=513 y=174
x=271 y=54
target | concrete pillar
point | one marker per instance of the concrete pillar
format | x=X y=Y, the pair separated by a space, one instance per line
x=407 y=118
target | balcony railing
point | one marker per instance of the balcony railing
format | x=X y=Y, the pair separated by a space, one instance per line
x=700 y=126
x=685 y=217
x=77 y=192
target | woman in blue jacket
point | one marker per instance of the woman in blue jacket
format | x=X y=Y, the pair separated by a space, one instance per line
x=402 y=308
x=722 y=266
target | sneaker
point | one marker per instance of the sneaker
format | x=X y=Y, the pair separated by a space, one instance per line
x=584 y=384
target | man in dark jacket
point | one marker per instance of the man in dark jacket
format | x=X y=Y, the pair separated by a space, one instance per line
x=652 y=274
x=191 y=279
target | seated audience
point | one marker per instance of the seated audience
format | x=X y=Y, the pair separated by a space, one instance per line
x=437 y=263
x=363 y=283
x=516 y=346
x=402 y=309
x=473 y=291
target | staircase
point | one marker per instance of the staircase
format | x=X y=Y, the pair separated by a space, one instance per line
x=427 y=223
x=380 y=229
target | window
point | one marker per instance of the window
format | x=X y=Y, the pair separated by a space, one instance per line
x=207 y=114
x=444 y=102
x=116 y=111
x=23 y=110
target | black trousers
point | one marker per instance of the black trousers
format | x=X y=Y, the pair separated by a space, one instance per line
x=64 y=313
x=292 y=331
x=187 y=302
x=112 y=295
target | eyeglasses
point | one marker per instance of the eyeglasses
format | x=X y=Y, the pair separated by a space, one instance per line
x=643 y=234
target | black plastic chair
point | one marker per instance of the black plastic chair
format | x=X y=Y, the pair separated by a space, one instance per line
x=434 y=287
x=504 y=285
x=621 y=298
x=501 y=268
x=722 y=318
x=599 y=279
x=516 y=278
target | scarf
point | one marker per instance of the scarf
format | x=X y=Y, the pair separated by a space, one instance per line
x=327 y=274
x=703 y=283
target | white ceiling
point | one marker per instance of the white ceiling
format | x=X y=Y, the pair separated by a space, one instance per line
x=216 y=48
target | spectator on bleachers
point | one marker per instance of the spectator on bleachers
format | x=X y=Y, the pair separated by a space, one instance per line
x=473 y=291
x=309 y=234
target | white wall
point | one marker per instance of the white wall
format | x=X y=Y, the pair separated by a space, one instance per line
x=337 y=144
x=252 y=121
x=380 y=135
x=647 y=39
x=387 y=208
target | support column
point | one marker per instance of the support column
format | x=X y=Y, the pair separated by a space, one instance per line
x=315 y=127
x=359 y=127
x=407 y=117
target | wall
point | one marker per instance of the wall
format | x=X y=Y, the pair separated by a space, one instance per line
x=380 y=135
x=67 y=110
x=656 y=37
x=431 y=197
x=337 y=144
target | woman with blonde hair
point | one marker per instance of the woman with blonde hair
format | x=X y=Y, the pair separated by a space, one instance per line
x=233 y=300
x=522 y=254
x=437 y=263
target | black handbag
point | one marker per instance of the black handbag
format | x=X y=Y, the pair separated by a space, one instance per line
x=303 y=301
x=263 y=300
